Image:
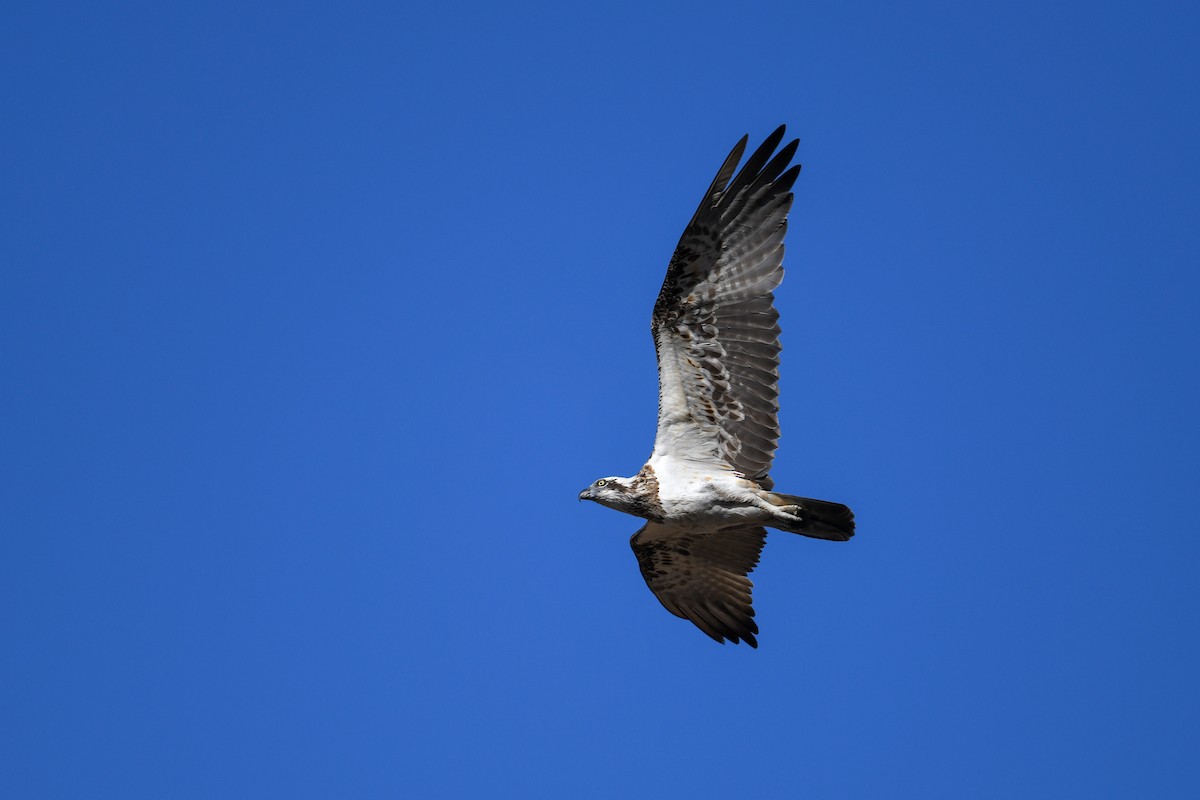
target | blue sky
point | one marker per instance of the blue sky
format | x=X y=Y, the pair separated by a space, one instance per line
x=315 y=319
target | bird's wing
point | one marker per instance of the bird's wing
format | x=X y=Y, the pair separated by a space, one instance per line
x=702 y=576
x=715 y=326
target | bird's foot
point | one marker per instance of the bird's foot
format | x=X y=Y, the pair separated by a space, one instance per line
x=791 y=518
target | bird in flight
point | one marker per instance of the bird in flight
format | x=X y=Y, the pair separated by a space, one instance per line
x=705 y=493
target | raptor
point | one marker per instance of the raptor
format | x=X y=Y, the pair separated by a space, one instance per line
x=705 y=492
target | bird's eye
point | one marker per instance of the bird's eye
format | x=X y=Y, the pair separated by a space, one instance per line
x=601 y=482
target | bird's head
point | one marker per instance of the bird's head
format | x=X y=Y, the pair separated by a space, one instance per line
x=611 y=492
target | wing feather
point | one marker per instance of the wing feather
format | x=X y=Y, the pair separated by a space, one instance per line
x=754 y=164
x=701 y=577
x=715 y=327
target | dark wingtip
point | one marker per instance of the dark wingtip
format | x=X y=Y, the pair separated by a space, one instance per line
x=740 y=638
x=776 y=136
x=785 y=181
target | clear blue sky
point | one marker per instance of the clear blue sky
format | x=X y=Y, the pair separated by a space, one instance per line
x=315 y=319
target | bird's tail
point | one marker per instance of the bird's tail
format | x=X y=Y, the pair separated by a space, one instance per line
x=818 y=518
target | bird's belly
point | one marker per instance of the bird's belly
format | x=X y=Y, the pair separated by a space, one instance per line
x=710 y=502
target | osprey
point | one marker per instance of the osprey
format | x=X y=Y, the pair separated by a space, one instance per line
x=705 y=492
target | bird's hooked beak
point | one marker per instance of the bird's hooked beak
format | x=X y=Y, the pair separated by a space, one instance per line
x=586 y=494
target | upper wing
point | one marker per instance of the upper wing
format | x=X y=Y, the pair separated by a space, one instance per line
x=715 y=326
x=702 y=576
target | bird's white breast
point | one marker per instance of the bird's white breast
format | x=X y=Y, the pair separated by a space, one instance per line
x=696 y=493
